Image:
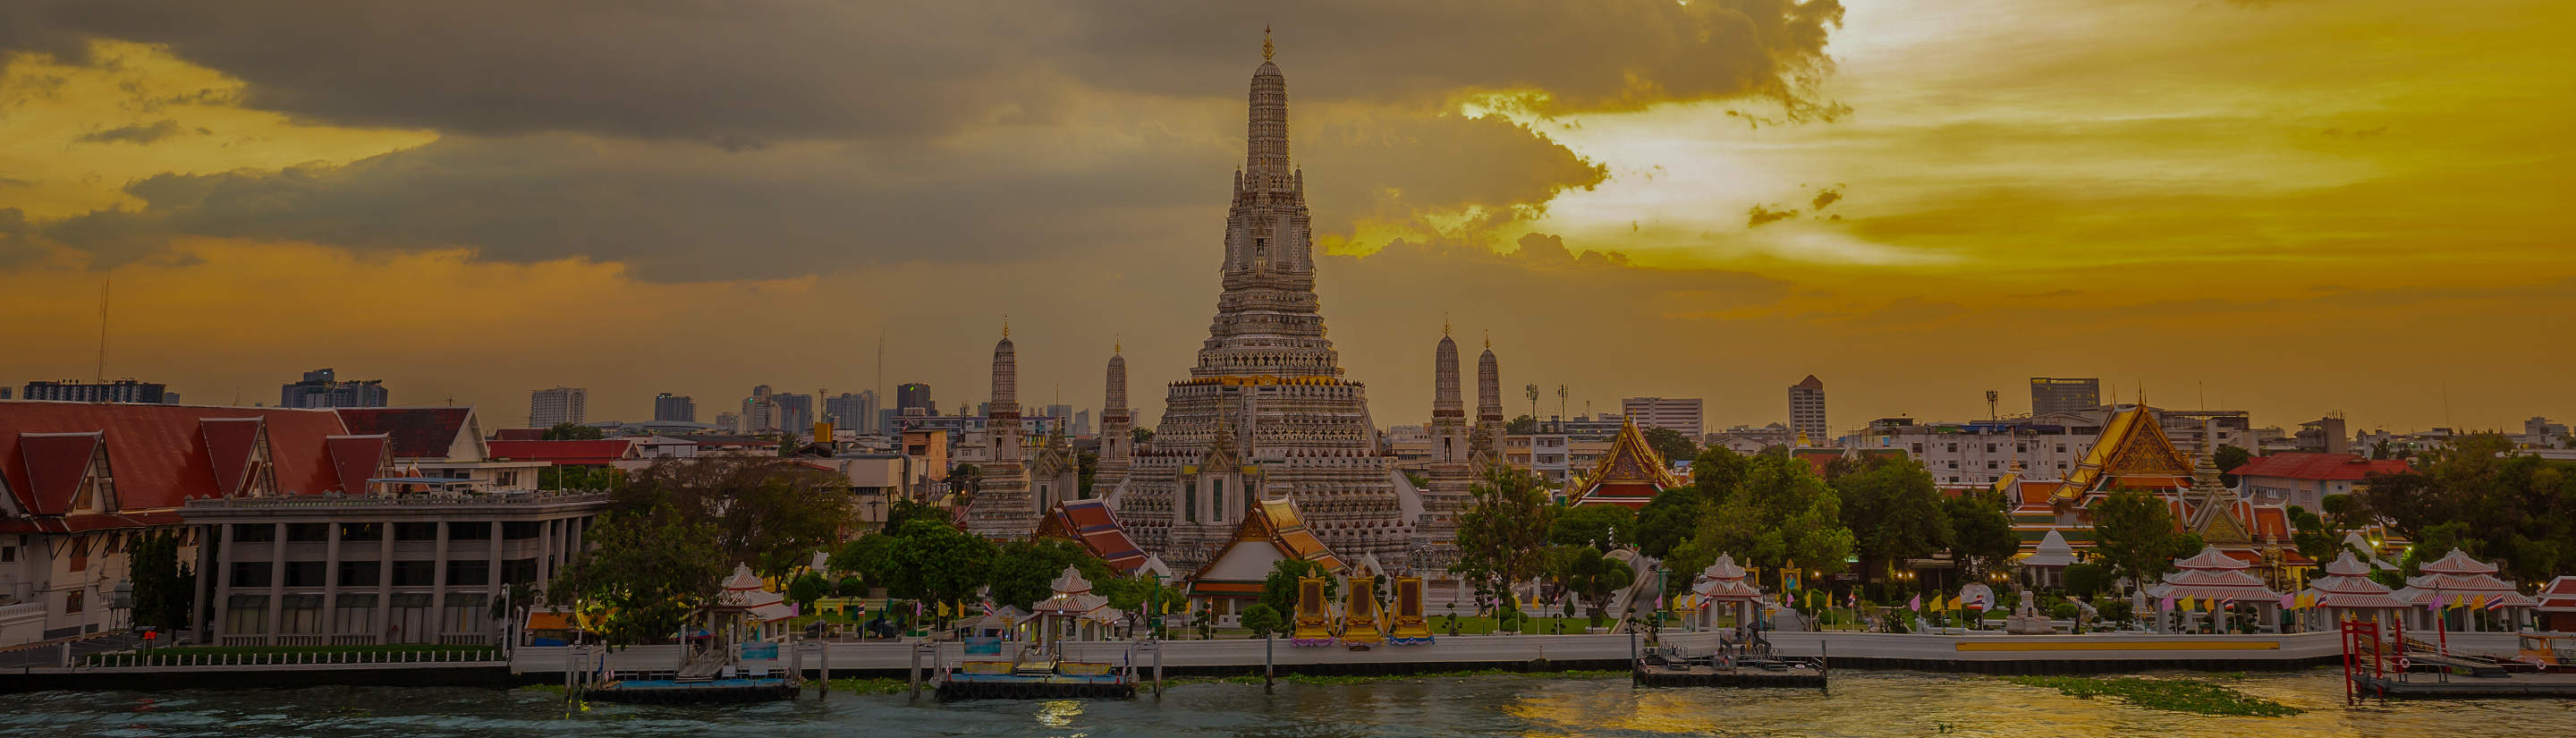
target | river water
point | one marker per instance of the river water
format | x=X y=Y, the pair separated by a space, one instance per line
x=1859 y=704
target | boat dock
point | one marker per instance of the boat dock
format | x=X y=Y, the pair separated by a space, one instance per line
x=2423 y=686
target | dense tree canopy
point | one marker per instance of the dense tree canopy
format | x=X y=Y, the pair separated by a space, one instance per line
x=163 y=589
x=571 y=432
x=648 y=570
x=1781 y=513
x=2517 y=509
x=1279 y=589
x=772 y=514
x=2135 y=533
x=1504 y=530
x=933 y=562
x=1600 y=526
x=1981 y=532
x=1894 y=511
x=1717 y=472
x=1671 y=444
x=1669 y=519
x=1521 y=426
x=1022 y=573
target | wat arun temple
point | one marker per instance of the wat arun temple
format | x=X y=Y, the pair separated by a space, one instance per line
x=1266 y=419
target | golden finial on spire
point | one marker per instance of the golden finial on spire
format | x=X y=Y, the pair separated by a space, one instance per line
x=1489 y=338
x=1266 y=48
x=1444 y=324
x=1117 y=343
x=1006 y=325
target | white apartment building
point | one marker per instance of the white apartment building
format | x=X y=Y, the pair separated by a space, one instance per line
x=1680 y=414
x=550 y=407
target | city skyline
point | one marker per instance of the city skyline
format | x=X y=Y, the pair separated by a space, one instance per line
x=1981 y=223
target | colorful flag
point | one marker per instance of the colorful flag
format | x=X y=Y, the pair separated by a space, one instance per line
x=2499 y=602
x=2478 y=604
x=2289 y=601
x=1915 y=604
x=2165 y=605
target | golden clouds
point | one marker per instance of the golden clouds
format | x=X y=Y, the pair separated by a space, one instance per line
x=72 y=136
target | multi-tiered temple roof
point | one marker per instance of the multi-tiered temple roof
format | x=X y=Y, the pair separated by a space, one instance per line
x=1630 y=474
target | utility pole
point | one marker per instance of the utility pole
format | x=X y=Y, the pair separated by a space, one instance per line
x=103 y=289
x=1992 y=413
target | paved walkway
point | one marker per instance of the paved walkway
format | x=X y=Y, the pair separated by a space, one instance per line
x=51 y=654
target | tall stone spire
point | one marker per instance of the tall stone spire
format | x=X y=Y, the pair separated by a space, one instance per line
x=1115 y=437
x=1489 y=400
x=1002 y=417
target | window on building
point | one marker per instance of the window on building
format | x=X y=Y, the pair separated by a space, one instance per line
x=521 y=530
x=306 y=574
x=1991 y=464
x=1990 y=448
x=1954 y=464
x=477 y=531
x=74 y=601
x=250 y=574
x=415 y=531
x=1951 y=448
x=308 y=532
x=1189 y=508
x=1918 y=449
x=519 y=571
x=362 y=531
x=79 y=554
x=2061 y=448
x=8 y=554
x=468 y=573
x=246 y=615
x=2020 y=447
x=415 y=573
x=300 y=613
x=254 y=532
x=506 y=479
x=351 y=613
x=1216 y=500
x=361 y=573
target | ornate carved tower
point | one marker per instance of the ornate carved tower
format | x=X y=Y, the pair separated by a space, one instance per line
x=1266 y=413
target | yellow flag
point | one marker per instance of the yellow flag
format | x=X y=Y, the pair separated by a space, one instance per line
x=2478 y=603
x=2191 y=603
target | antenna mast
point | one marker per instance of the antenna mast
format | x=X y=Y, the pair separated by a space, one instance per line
x=103 y=290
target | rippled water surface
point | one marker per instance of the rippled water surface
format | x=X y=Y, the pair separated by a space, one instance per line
x=1860 y=704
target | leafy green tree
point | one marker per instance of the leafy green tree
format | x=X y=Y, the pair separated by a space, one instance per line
x=651 y=570
x=163 y=590
x=2086 y=580
x=1022 y=573
x=772 y=514
x=850 y=587
x=2316 y=537
x=1671 y=444
x=935 y=563
x=1782 y=513
x=1089 y=464
x=1263 y=619
x=1981 y=533
x=1894 y=511
x=1504 y=529
x=2227 y=458
x=1596 y=578
x=1141 y=434
x=1717 y=472
x=580 y=477
x=571 y=432
x=2134 y=532
x=1521 y=426
x=2511 y=507
x=1138 y=595
x=869 y=559
x=1668 y=520
x=1279 y=589
x=806 y=588
x=1594 y=525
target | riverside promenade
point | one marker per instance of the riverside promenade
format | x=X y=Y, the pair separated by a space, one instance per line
x=1978 y=653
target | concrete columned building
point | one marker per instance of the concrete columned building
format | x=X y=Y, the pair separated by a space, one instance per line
x=410 y=561
x=682 y=408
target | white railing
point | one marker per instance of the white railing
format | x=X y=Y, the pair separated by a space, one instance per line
x=182 y=658
x=546 y=497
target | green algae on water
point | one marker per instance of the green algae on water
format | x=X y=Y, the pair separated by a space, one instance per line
x=2198 y=696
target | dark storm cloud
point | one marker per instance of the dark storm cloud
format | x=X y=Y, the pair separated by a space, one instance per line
x=745 y=73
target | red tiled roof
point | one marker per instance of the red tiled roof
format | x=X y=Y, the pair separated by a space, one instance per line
x=158 y=455
x=418 y=432
x=2319 y=467
x=1091 y=523
x=575 y=453
x=519 y=434
x=355 y=459
x=230 y=444
x=57 y=464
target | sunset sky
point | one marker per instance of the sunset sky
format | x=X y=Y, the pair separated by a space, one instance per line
x=2292 y=207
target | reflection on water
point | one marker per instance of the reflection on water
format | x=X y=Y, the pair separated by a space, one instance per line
x=1859 y=704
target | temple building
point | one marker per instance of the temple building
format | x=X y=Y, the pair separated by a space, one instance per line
x=2134 y=453
x=1631 y=474
x=1460 y=453
x=1003 y=505
x=1269 y=533
x=1267 y=413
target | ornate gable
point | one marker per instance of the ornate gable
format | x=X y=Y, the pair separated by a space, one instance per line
x=1631 y=461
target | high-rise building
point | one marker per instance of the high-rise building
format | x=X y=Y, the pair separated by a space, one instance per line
x=914 y=395
x=548 y=408
x=855 y=411
x=122 y=390
x=1266 y=416
x=1680 y=414
x=2064 y=394
x=668 y=407
x=795 y=412
x=322 y=388
x=1807 y=412
x=759 y=411
x=729 y=422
